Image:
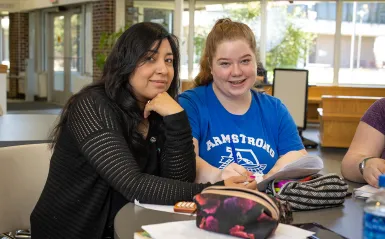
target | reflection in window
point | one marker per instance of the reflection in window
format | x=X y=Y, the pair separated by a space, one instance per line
x=161 y=16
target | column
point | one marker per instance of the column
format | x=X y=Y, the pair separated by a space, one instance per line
x=18 y=50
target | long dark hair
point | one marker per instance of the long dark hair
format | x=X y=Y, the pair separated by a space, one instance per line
x=129 y=52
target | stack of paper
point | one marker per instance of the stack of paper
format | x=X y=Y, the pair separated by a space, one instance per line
x=302 y=167
x=364 y=191
x=189 y=230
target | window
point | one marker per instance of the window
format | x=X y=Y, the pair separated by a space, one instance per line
x=76 y=57
x=362 y=43
x=161 y=16
x=204 y=20
x=301 y=35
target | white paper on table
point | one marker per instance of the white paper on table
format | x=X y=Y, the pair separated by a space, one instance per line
x=163 y=208
x=364 y=191
x=285 y=231
x=189 y=230
x=302 y=167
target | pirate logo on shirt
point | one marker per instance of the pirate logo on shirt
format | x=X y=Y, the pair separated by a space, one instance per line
x=245 y=157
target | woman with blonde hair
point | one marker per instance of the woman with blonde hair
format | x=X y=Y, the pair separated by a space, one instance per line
x=236 y=130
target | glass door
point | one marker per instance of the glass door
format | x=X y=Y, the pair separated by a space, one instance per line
x=64 y=55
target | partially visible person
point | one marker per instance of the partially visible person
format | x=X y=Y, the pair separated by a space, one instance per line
x=261 y=74
x=235 y=128
x=364 y=161
x=121 y=138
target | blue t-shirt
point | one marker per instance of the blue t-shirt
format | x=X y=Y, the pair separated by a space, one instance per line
x=258 y=138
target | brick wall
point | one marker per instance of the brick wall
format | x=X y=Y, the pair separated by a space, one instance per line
x=103 y=20
x=18 y=49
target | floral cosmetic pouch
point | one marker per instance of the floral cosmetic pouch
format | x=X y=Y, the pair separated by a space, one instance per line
x=238 y=212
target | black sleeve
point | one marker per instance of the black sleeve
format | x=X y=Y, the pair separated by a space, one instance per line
x=95 y=127
x=178 y=156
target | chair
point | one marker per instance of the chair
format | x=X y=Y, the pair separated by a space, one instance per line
x=23 y=173
x=291 y=87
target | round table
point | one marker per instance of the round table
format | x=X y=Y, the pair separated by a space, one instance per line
x=345 y=220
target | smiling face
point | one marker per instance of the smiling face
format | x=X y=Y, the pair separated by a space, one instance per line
x=155 y=74
x=233 y=68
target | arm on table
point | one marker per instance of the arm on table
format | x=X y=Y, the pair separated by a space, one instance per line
x=209 y=173
x=367 y=142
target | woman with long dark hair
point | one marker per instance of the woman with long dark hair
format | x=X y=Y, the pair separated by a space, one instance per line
x=119 y=139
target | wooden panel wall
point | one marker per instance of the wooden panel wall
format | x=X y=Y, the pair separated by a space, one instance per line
x=317 y=91
x=340 y=118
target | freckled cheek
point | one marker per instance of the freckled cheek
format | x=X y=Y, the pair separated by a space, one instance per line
x=225 y=75
x=222 y=74
x=248 y=71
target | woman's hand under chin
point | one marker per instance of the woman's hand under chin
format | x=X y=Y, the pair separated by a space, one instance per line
x=162 y=104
